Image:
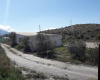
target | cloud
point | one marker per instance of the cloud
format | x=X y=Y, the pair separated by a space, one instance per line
x=6 y=28
x=50 y=28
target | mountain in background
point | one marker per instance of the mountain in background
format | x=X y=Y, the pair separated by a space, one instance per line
x=3 y=32
x=86 y=32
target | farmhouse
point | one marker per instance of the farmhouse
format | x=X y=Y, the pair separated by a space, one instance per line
x=56 y=39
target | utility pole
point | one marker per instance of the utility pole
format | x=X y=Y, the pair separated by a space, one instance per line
x=70 y=22
x=39 y=28
x=99 y=64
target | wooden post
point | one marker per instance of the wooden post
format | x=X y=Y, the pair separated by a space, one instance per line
x=99 y=64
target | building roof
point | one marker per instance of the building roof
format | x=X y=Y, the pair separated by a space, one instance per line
x=26 y=33
x=33 y=34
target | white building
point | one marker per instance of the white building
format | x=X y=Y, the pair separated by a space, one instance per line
x=5 y=38
x=56 y=39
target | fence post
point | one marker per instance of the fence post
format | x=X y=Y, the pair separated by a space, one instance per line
x=99 y=64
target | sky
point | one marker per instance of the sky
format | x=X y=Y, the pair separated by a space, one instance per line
x=27 y=15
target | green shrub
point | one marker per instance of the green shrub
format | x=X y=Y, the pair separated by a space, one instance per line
x=92 y=56
x=12 y=36
x=39 y=76
x=36 y=75
x=50 y=54
x=25 y=41
x=28 y=76
x=98 y=37
x=78 y=50
x=19 y=46
x=13 y=44
x=1 y=78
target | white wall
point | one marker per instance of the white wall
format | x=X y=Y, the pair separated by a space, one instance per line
x=19 y=36
x=56 y=39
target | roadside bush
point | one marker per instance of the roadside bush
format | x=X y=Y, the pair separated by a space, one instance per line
x=78 y=50
x=26 y=44
x=19 y=46
x=98 y=37
x=7 y=71
x=39 y=76
x=50 y=54
x=12 y=36
x=92 y=56
x=1 y=77
x=13 y=44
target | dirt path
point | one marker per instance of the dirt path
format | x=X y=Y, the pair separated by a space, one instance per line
x=91 y=44
x=51 y=67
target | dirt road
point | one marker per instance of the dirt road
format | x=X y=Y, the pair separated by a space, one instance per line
x=51 y=67
x=91 y=44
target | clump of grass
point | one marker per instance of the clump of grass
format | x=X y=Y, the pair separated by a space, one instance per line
x=62 y=54
x=7 y=71
x=13 y=62
x=60 y=78
x=19 y=46
x=28 y=76
x=31 y=74
x=13 y=51
x=35 y=75
x=39 y=76
x=92 y=79
x=8 y=47
x=24 y=69
x=32 y=71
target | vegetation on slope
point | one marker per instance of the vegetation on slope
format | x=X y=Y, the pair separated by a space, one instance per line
x=7 y=71
x=88 y=32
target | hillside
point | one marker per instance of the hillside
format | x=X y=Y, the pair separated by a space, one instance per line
x=87 y=32
x=2 y=32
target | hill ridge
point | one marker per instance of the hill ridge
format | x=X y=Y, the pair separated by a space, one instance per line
x=88 y=32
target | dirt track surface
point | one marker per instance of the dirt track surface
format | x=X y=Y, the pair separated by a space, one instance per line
x=51 y=67
x=91 y=44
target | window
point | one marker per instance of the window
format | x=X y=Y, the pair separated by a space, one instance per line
x=20 y=39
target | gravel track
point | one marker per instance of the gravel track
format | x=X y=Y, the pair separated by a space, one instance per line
x=51 y=67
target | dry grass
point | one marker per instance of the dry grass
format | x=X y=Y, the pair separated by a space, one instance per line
x=7 y=71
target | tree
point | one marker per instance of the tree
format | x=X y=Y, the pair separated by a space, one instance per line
x=43 y=44
x=98 y=37
x=26 y=44
x=12 y=36
x=78 y=50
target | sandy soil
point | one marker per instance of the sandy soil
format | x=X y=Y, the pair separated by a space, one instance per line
x=91 y=44
x=51 y=67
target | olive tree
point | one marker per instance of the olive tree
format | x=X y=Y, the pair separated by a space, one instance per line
x=12 y=36
x=43 y=44
x=25 y=42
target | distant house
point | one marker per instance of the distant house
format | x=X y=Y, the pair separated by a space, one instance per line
x=5 y=38
x=1 y=39
x=56 y=39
